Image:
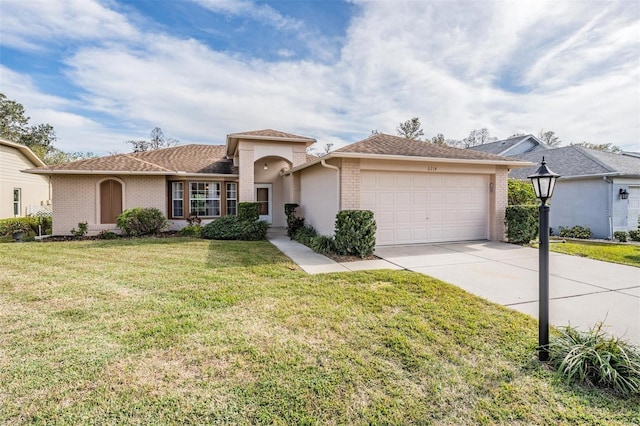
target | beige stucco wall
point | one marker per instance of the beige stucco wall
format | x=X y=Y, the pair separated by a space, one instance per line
x=319 y=197
x=77 y=199
x=280 y=192
x=34 y=188
x=316 y=191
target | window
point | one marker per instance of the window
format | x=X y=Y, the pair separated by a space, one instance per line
x=232 y=199
x=204 y=198
x=17 y=201
x=177 y=197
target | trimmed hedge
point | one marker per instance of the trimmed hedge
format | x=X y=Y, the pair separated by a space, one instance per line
x=30 y=222
x=234 y=228
x=522 y=223
x=575 y=232
x=355 y=233
x=634 y=235
x=520 y=192
x=140 y=221
x=620 y=236
x=248 y=211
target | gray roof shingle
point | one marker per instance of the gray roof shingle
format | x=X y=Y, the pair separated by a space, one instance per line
x=575 y=160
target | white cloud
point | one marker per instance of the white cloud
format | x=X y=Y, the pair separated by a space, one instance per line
x=450 y=63
x=246 y=8
x=34 y=23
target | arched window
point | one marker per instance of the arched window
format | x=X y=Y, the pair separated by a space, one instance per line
x=110 y=200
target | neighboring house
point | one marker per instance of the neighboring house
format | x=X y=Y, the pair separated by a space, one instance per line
x=20 y=194
x=512 y=146
x=599 y=190
x=419 y=192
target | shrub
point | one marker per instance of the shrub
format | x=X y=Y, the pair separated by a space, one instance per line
x=81 y=231
x=596 y=359
x=522 y=223
x=142 y=221
x=634 y=235
x=355 y=233
x=107 y=235
x=233 y=228
x=305 y=235
x=323 y=244
x=520 y=192
x=249 y=211
x=575 y=232
x=293 y=222
x=620 y=236
x=191 y=231
x=15 y=226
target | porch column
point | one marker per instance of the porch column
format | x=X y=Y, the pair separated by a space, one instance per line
x=246 y=179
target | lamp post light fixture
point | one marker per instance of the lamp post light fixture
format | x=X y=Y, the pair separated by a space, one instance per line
x=544 y=182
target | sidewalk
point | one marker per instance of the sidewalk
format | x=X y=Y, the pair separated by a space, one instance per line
x=314 y=263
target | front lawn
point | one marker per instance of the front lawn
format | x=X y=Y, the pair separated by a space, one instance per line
x=183 y=331
x=626 y=254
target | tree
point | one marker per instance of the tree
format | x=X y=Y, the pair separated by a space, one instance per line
x=13 y=123
x=438 y=139
x=516 y=135
x=14 y=126
x=549 y=138
x=410 y=129
x=606 y=147
x=158 y=140
x=57 y=156
x=477 y=137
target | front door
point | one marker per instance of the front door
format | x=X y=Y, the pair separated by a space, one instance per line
x=263 y=198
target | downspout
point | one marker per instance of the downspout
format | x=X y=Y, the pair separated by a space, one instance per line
x=337 y=169
x=610 y=207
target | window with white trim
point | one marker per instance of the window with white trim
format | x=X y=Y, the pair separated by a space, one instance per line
x=177 y=199
x=17 y=201
x=232 y=198
x=204 y=199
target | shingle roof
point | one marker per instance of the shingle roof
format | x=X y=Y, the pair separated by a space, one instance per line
x=184 y=158
x=574 y=160
x=501 y=146
x=383 y=144
x=270 y=133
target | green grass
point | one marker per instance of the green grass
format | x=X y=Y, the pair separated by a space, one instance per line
x=626 y=254
x=182 y=331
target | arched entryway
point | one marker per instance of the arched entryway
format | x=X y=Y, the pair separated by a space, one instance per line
x=110 y=200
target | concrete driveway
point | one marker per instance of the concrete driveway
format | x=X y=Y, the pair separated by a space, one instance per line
x=582 y=291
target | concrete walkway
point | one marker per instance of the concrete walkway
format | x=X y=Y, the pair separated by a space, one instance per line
x=314 y=263
x=582 y=291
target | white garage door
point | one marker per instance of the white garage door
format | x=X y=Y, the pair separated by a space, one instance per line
x=634 y=207
x=426 y=207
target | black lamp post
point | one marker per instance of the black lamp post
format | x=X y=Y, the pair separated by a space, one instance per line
x=544 y=181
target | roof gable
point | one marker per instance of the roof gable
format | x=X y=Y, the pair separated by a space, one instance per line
x=25 y=150
x=505 y=146
x=383 y=144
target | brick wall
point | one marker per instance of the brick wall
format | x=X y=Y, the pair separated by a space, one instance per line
x=498 y=205
x=76 y=199
x=350 y=184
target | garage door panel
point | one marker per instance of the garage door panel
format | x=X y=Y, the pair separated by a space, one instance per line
x=426 y=207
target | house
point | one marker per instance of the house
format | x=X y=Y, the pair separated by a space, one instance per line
x=599 y=190
x=419 y=192
x=512 y=146
x=20 y=194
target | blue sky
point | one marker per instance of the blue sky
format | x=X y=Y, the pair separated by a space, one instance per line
x=102 y=72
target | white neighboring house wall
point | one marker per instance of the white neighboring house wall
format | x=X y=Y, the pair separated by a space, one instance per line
x=319 y=198
x=32 y=190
